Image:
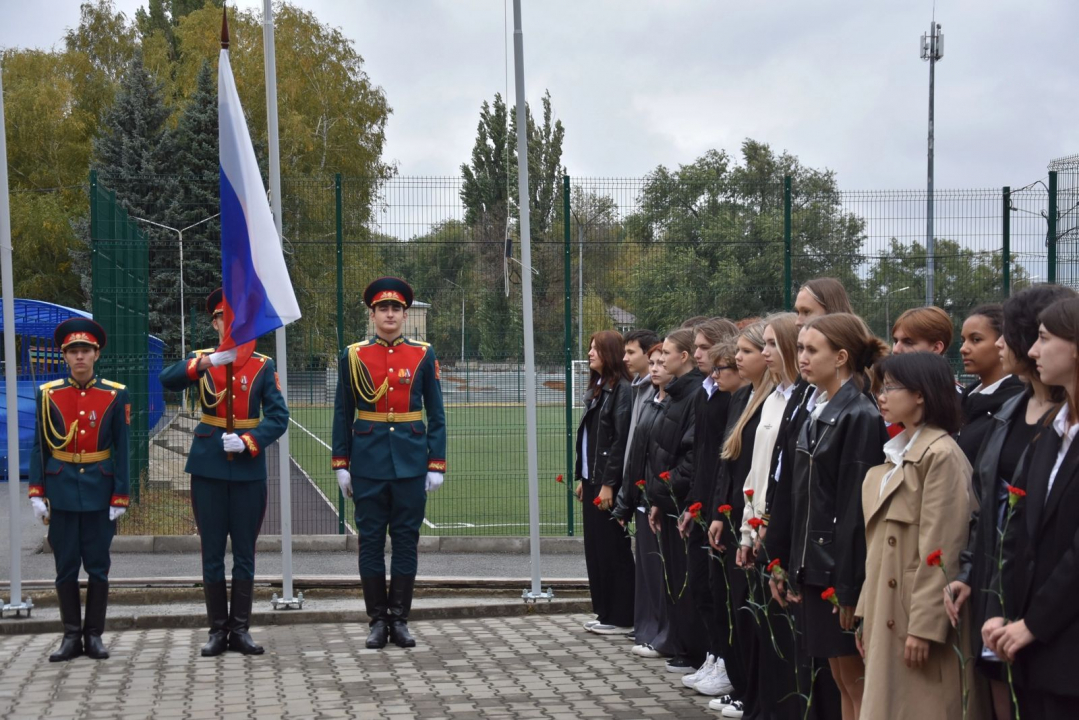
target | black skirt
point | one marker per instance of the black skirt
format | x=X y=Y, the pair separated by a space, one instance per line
x=820 y=634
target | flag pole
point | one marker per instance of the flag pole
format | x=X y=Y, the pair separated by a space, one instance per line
x=287 y=599
x=15 y=603
x=534 y=593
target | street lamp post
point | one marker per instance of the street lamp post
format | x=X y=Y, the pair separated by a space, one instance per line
x=887 y=309
x=180 y=235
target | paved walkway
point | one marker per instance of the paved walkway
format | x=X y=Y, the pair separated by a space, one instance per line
x=531 y=667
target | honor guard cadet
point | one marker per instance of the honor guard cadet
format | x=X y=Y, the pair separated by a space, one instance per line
x=79 y=481
x=384 y=457
x=229 y=495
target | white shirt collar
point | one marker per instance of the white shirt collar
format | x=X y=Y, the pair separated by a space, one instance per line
x=896 y=448
x=991 y=389
x=1060 y=422
x=709 y=386
x=785 y=390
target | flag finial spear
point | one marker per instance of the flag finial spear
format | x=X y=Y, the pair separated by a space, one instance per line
x=224 y=28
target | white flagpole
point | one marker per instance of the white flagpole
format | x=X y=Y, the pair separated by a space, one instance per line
x=11 y=359
x=287 y=599
x=526 y=291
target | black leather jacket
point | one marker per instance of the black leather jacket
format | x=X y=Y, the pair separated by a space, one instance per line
x=629 y=497
x=670 y=447
x=978 y=412
x=614 y=406
x=832 y=456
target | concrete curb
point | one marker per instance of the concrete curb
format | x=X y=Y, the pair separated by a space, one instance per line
x=34 y=626
x=485 y=544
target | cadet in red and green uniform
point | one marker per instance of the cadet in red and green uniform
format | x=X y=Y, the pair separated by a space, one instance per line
x=385 y=459
x=79 y=481
x=229 y=496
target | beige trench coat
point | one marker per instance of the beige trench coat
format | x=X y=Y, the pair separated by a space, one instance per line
x=925 y=506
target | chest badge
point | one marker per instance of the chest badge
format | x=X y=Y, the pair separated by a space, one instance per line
x=93 y=418
x=243 y=384
x=402 y=377
x=408 y=377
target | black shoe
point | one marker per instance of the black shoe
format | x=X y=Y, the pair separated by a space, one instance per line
x=400 y=604
x=374 y=599
x=217 y=610
x=240 y=619
x=681 y=664
x=97 y=602
x=67 y=595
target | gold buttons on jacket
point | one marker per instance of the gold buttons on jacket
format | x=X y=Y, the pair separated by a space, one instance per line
x=892 y=583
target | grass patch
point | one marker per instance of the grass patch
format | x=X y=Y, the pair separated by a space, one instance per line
x=158 y=512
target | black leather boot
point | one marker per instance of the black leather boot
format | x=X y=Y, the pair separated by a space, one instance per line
x=400 y=603
x=374 y=598
x=97 y=601
x=240 y=618
x=67 y=595
x=217 y=610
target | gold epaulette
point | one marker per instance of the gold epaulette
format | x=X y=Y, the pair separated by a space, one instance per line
x=204 y=351
x=421 y=343
x=114 y=385
x=51 y=384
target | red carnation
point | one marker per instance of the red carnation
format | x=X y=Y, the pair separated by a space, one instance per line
x=776 y=570
x=1014 y=494
x=725 y=509
x=695 y=509
x=559 y=478
x=597 y=501
x=934 y=559
x=640 y=483
x=755 y=523
x=665 y=476
x=749 y=493
x=829 y=595
x=773 y=565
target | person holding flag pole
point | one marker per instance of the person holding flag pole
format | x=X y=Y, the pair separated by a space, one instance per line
x=228 y=484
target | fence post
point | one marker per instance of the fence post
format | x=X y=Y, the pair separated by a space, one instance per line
x=1051 y=236
x=340 y=317
x=787 y=280
x=567 y=342
x=1006 y=241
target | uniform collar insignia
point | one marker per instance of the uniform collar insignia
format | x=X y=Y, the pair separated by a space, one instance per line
x=386 y=343
x=75 y=383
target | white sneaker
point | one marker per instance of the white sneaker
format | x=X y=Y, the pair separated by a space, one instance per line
x=734 y=710
x=693 y=678
x=602 y=629
x=717 y=682
x=590 y=624
x=720 y=703
x=646 y=651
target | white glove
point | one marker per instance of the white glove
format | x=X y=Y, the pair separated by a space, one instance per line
x=115 y=513
x=434 y=481
x=41 y=510
x=222 y=358
x=232 y=443
x=344 y=481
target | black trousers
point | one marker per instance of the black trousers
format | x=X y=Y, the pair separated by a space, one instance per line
x=608 y=556
x=81 y=538
x=743 y=672
x=649 y=598
x=225 y=509
x=700 y=585
x=686 y=635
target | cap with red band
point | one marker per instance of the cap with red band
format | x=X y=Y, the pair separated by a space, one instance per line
x=388 y=289
x=215 y=302
x=79 y=331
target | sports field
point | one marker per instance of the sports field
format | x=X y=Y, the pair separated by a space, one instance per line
x=486 y=488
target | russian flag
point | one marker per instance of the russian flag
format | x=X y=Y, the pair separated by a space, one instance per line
x=258 y=292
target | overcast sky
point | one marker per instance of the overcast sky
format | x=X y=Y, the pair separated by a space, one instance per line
x=837 y=82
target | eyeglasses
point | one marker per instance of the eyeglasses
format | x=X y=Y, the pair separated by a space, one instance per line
x=885 y=389
x=720 y=368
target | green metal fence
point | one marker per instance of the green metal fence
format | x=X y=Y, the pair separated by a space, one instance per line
x=615 y=253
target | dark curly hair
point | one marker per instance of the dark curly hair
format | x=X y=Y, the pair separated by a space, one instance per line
x=1021 y=313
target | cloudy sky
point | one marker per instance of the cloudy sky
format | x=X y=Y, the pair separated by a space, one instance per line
x=640 y=83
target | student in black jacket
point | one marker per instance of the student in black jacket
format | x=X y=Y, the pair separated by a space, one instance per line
x=1005 y=442
x=994 y=386
x=601 y=450
x=1038 y=629
x=670 y=474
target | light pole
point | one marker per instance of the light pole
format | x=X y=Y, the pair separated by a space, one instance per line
x=451 y=282
x=932 y=50
x=180 y=235
x=887 y=308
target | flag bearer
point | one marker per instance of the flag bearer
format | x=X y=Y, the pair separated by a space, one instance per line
x=79 y=481
x=229 y=495
x=385 y=459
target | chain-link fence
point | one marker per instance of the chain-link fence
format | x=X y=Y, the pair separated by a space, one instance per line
x=635 y=253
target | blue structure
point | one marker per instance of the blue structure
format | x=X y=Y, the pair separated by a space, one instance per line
x=39 y=361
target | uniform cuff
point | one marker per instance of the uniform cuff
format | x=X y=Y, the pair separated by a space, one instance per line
x=252 y=446
x=37 y=491
x=193 y=369
x=340 y=463
x=436 y=466
x=121 y=501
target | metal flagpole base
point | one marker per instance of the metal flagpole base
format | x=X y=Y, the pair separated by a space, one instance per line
x=530 y=597
x=282 y=603
x=25 y=606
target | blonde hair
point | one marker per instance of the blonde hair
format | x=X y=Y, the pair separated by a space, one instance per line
x=732 y=448
x=786 y=332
